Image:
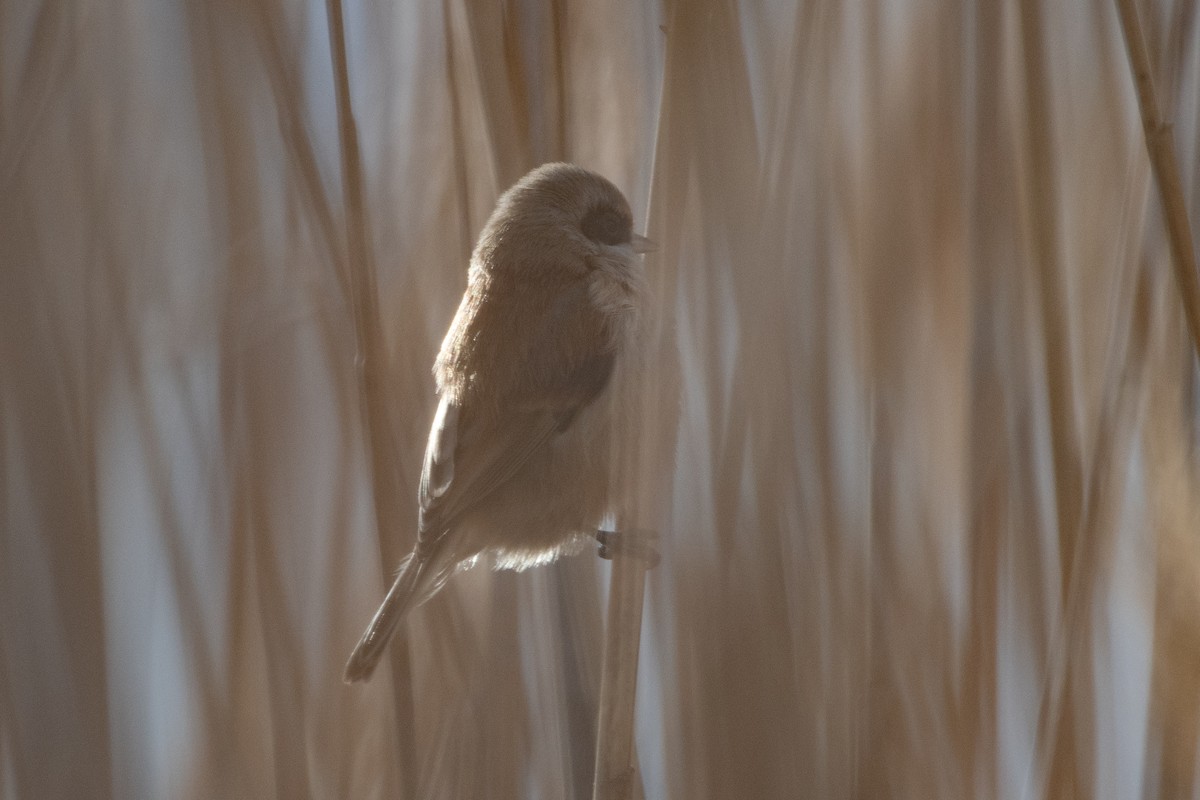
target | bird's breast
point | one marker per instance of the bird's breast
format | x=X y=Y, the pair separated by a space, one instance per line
x=616 y=289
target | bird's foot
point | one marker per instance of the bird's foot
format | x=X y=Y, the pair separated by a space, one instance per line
x=637 y=543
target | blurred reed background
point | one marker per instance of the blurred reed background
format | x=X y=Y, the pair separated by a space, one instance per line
x=922 y=388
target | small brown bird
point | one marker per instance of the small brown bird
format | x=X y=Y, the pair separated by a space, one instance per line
x=517 y=466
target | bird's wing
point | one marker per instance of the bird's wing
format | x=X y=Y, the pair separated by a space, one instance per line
x=473 y=451
x=462 y=469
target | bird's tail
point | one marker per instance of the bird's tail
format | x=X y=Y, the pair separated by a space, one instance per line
x=417 y=580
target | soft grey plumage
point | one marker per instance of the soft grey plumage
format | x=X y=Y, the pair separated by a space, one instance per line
x=517 y=466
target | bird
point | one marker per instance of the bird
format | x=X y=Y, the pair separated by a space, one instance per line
x=518 y=464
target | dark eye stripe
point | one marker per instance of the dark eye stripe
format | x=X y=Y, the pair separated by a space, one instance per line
x=606 y=226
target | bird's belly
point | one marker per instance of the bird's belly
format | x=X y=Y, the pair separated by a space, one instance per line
x=554 y=503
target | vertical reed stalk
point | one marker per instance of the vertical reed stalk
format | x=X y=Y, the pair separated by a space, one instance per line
x=372 y=372
x=1161 y=147
x=615 y=774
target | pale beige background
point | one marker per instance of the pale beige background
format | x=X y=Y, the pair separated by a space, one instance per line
x=930 y=528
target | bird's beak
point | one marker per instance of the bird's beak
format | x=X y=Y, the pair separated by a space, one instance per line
x=642 y=245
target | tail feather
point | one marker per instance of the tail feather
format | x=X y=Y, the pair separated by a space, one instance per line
x=416 y=581
x=374 y=640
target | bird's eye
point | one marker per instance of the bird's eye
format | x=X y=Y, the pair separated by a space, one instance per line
x=606 y=226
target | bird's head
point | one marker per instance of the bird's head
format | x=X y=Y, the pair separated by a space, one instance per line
x=559 y=217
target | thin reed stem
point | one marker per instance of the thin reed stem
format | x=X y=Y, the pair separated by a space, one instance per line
x=615 y=774
x=372 y=373
x=1161 y=147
